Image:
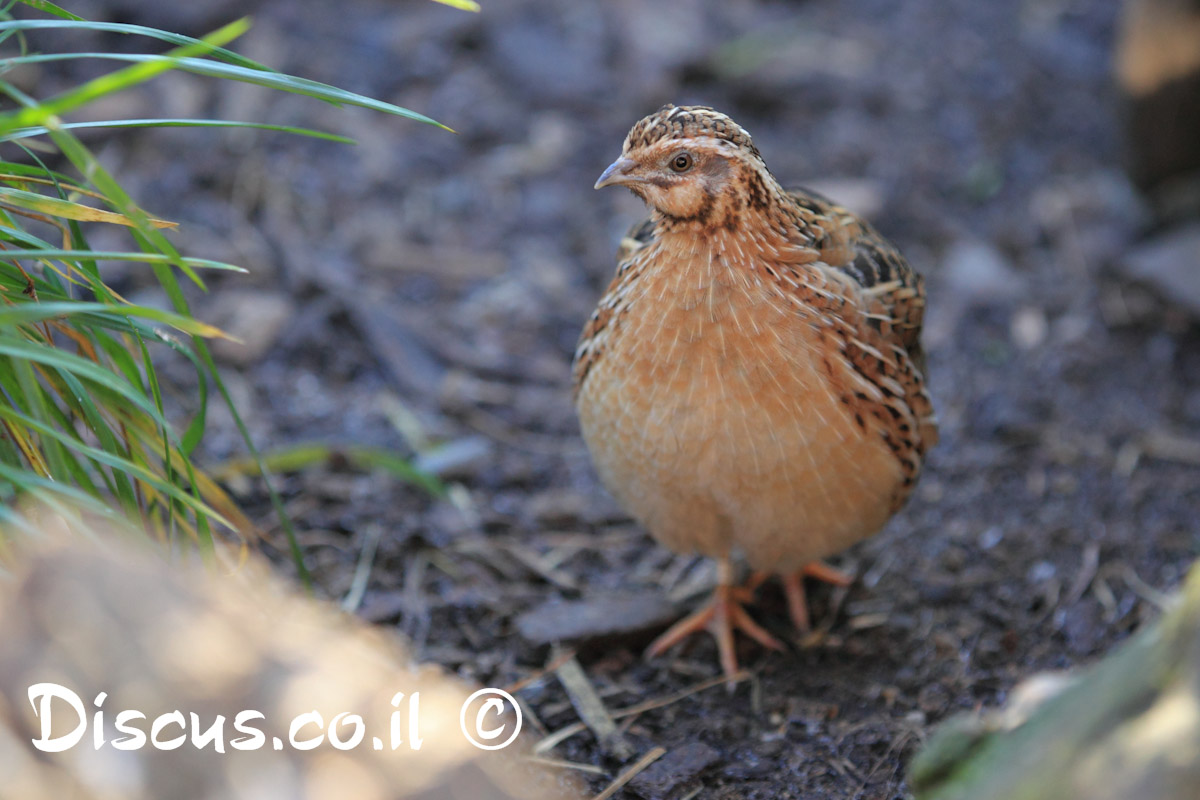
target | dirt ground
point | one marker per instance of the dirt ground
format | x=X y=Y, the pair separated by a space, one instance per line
x=423 y=292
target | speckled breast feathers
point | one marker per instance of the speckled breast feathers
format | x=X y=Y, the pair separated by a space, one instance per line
x=789 y=279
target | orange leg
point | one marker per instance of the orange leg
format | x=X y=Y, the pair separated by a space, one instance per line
x=720 y=616
x=793 y=589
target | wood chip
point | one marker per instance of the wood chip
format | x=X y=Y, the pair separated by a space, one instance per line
x=865 y=621
x=598 y=615
x=679 y=766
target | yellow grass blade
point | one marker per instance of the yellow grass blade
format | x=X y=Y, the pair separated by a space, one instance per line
x=32 y=201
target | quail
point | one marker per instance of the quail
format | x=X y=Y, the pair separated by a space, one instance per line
x=752 y=381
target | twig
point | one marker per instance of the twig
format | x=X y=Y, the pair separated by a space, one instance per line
x=650 y=705
x=1087 y=572
x=591 y=708
x=552 y=740
x=362 y=570
x=542 y=567
x=558 y=763
x=629 y=774
x=537 y=676
x=1168 y=447
x=1144 y=590
x=416 y=619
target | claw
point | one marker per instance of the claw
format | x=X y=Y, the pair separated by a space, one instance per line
x=723 y=613
x=720 y=617
x=793 y=589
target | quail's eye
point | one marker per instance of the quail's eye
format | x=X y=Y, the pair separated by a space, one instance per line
x=681 y=162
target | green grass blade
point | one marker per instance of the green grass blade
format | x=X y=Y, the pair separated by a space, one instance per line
x=26 y=352
x=78 y=23
x=122 y=466
x=78 y=398
x=216 y=69
x=301 y=456
x=11 y=234
x=27 y=389
x=103 y=255
x=53 y=494
x=377 y=458
x=169 y=464
x=276 y=501
x=31 y=171
x=26 y=313
x=41 y=113
x=118 y=354
x=50 y=8
x=143 y=232
x=24 y=133
x=93 y=424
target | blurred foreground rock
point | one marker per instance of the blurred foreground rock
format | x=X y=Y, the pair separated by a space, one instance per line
x=1127 y=728
x=158 y=638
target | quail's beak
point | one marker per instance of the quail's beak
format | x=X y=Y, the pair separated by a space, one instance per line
x=618 y=172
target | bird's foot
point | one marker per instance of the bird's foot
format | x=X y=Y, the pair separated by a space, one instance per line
x=720 y=616
x=793 y=588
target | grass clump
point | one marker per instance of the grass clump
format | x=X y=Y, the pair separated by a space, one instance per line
x=82 y=422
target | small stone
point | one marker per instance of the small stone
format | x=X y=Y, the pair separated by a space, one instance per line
x=1041 y=572
x=991 y=537
x=255 y=317
x=1028 y=328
